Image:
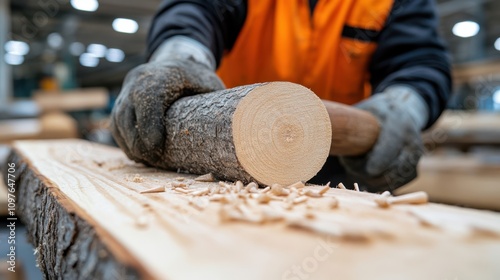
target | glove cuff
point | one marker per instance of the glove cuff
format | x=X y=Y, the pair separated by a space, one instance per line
x=182 y=47
x=409 y=100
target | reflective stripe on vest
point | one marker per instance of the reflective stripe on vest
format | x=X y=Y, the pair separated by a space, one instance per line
x=329 y=52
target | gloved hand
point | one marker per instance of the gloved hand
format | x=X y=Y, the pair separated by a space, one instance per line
x=180 y=67
x=393 y=160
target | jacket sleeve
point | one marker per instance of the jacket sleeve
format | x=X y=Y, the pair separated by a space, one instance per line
x=411 y=52
x=215 y=24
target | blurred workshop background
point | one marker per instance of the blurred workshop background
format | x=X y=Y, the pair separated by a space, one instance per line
x=62 y=63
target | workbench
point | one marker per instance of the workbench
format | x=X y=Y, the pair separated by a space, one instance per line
x=82 y=205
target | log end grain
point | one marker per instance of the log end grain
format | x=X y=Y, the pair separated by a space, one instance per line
x=282 y=133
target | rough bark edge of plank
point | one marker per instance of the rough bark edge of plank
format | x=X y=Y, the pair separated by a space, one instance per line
x=68 y=245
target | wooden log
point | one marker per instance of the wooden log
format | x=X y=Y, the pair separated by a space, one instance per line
x=86 y=217
x=269 y=133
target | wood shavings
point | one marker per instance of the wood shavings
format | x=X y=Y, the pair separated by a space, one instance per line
x=263 y=198
x=385 y=200
x=386 y=194
x=278 y=190
x=200 y=192
x=265 y=190
x=180 y=179
x=252 y=187
x=154 y=190
x=341 y=186
x=312 y=193
x=411 y=198
x=178 y=185
x=356 y=187
x=238 y=186
x=298 y=185
x=137 y=179
x=205 y=178
x=325 y=204
x=181 y=190
x=325 y=189
x=299 y=200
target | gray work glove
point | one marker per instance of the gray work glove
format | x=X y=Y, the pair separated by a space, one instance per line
x=179 y=67
x=392 y=162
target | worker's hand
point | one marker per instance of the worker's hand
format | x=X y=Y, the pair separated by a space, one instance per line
x=392 y=162
x=177 y=69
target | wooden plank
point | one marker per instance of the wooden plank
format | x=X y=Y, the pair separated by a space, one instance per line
x=48 y=126
x=3 y=197
x=466 y=180
x=72 y=100
x=465 y=129
x=82 y=206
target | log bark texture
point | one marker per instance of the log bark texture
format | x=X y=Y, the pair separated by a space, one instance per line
x=199 y=134
x=281 y=134
x=67 y=246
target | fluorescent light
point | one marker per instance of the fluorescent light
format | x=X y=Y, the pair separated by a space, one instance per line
x=85 y=5
x=97 y=50
x=125 y=25
x=496 y=96
x=497 y=44
x=13 y=59
x=55 y=40
x=89 y=60
x=17 y=47
x=76 y=48
x=115 y=55
x=466 y=29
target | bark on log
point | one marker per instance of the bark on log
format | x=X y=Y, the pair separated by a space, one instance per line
x=67 y=246
x=269 y=133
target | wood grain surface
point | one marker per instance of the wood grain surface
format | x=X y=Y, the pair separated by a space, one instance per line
x=82 y=206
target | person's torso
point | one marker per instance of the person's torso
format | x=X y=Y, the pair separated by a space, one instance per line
x=328 y=51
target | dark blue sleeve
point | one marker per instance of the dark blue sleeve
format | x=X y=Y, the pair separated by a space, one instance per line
x=411 y=52
x=215 y=24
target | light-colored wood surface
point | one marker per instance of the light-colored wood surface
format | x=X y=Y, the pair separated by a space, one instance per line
x=165 y=237
x=281 y=133
x=72 y=100
x=468 y=180
x=48 y=126
x=354 y=131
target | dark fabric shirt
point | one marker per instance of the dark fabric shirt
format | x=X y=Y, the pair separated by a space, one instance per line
x=409 y=50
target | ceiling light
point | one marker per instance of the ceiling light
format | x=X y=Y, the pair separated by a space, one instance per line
x=497 y=44
x=55 y=41
x=97 y=50
x=76 y=48
x=125 y=25
x=466 y=29
x=89 y=60
x=17 y=47
x=85 y=5
x=13 y=59
x=496 y=96
x=115 y=55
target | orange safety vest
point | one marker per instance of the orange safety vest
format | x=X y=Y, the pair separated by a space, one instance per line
x=280 y=41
